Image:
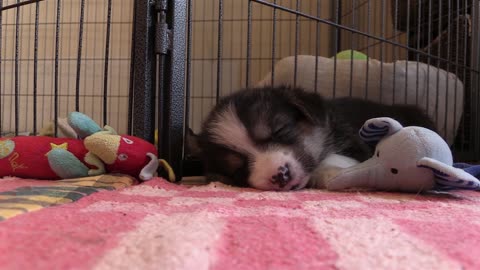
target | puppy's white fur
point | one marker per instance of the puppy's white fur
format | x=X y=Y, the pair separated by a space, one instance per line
x=328 y=168
x=228 y=130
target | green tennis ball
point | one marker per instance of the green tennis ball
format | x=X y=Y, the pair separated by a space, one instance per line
x=347 y=55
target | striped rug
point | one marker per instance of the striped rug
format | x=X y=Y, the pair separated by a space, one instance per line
x=159 y=225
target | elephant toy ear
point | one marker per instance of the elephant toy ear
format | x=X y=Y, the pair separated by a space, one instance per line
x=448 y=177
x=376 y=128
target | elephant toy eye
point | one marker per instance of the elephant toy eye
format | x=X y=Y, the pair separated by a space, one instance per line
x=378 y=153
x=123 y=157
x=394 y=171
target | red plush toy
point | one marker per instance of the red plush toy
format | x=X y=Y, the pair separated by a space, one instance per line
x=28 y=156
x=96 y=152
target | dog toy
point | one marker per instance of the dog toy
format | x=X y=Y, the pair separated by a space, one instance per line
x=95 y=151
x=349 y=54
x=409 y=159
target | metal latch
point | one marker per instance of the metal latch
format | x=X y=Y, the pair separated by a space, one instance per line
x=163 y=40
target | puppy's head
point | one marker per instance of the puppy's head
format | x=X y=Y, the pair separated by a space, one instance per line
x=268 y=138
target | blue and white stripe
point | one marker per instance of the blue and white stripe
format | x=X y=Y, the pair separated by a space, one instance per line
x=444 y=181
x=376 y=128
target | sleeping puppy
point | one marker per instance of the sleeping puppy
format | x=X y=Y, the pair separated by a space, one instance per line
x=285 y=139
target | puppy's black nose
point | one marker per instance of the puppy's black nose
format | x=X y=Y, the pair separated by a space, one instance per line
x=283 y=176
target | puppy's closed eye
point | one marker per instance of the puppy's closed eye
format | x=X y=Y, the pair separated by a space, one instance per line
x=261 y=133
x=280 y=131
x=285 y=133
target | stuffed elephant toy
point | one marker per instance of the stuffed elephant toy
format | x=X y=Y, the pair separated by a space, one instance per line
x=407 y=159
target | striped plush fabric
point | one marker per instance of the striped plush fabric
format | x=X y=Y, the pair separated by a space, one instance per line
x=377 y=128
x=159 y=225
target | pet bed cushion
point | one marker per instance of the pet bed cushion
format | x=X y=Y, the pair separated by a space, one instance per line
x=401 y=81
x=159 y=225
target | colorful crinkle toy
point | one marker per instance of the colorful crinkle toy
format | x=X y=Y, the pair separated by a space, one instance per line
x=96 y=151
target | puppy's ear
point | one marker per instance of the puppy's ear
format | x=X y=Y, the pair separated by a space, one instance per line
x=192 y=145
x=311 y=105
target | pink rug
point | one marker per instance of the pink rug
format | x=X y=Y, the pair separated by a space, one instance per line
x=158 y=225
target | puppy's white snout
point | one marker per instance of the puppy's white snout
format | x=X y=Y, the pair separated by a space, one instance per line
x=276 y=170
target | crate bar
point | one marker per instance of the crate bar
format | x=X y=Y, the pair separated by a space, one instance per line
x=1 y=49
x=352 y=45
x=429 y=49
x=174 y=107
x=317 y=46
x=447 y=68
x=297 y=41
x=337 y=39
x=369 y=13
x=188 y=67
x=79 y=56
x=465 y=61
x=475 y=56
x=457 y=40
x=219 y=49
x=132 y=74
x=274 y=37
x=417 y=56
x=395 y=48
x=57 y=50
x=407 y=52
x=382 y=49
x=249 y=44
x=439 y=51
x=17 y=101
x=161 y=49
x=107 y=56
x=144 y=71
x=35 y=68
x=19 y=4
